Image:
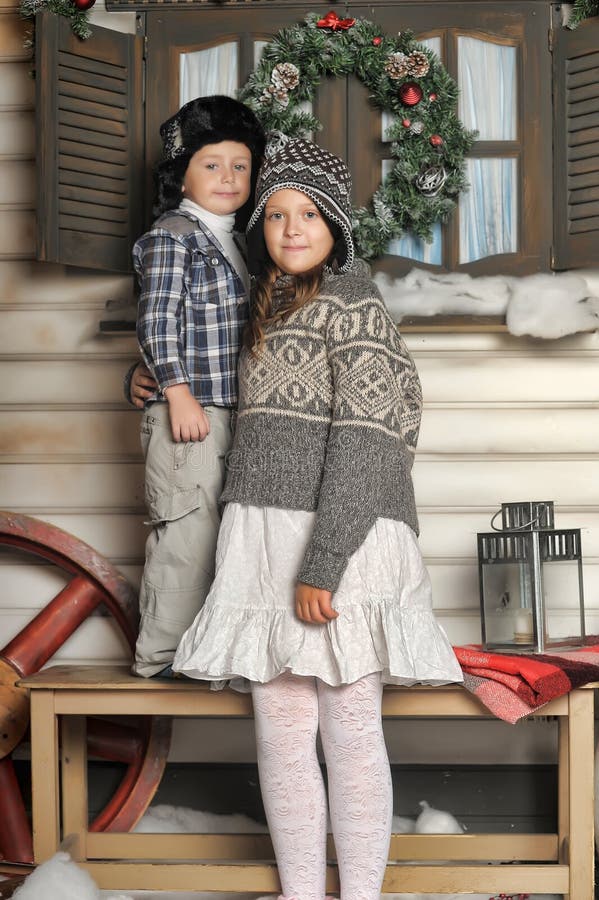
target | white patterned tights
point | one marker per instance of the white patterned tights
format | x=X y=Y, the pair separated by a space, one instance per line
x=288 y=712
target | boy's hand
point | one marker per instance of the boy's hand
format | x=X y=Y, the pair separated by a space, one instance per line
x=189 y=422
x=313 y=604
x=142 y=385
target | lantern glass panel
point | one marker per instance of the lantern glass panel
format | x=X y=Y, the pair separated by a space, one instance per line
x=508 y=603
x=561 y=599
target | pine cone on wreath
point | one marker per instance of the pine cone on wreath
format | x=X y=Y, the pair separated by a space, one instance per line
x=418 y=64
x=285 y=75
x=397 y=66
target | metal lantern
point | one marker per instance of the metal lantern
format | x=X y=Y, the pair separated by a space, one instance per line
x=530 y=573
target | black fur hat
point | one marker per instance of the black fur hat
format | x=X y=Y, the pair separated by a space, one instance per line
x=205 y=120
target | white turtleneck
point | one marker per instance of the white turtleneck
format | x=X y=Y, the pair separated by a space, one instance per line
x=222 y=229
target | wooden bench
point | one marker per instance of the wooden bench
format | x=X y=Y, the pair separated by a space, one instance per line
x=560 y=863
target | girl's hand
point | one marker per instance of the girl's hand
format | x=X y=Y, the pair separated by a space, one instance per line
x=142 y=385
x=189 y=422
x=313 y=604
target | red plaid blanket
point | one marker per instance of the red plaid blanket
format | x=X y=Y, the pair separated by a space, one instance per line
x=511 y=687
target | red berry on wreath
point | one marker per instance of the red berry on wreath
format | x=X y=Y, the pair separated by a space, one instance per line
x=436 y=140
x=377 y=41
x=406 y=123
x=432 y=97
x=84 y=4
x=410 y=93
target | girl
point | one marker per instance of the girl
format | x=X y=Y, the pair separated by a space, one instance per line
x=320 y=595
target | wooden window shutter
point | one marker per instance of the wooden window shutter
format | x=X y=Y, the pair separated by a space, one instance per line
x=89 y=144
x=576 y=142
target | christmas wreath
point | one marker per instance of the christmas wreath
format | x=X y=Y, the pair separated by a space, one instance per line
x=404 y=79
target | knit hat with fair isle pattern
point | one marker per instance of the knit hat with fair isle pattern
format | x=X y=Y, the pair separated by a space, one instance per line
x=303 y=166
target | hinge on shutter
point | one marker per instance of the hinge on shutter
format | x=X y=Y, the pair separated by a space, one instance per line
x=552 y=257
x=551 y=39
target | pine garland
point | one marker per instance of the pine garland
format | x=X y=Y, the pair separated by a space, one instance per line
x=77 y=17
x=583 y=9
x=428 y=141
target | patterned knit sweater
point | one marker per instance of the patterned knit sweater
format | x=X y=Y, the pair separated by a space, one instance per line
x=329 y=414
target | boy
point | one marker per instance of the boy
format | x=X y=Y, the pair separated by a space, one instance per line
x=191 y=314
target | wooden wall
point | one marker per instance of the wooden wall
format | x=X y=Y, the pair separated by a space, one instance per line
x=505 y=419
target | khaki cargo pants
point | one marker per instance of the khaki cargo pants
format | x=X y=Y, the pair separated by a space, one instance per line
x=183 y=484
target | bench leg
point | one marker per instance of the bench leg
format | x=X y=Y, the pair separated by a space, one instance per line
x=44 y=776
x=581 y=802
x=74 y=785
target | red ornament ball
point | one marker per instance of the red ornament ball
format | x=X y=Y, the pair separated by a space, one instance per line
x=406 y=123
x=410 y=93
x=377 y=41
x=436 y=140
x=83 y=4
x=432 y=97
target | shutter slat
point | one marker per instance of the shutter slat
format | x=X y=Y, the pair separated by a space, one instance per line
x=585 y=91
x=583 y=63
x=90 y=95
x=576 y=146
x=91 y=79
x=589 y=179
x=587 y=136
x=87 y=225
x=99 y=110
x=583 y=210
x=586 y=227
x=118 y=157
x=94 y=211
x=589 y=106
x=90 y=128
x=99 y=182
x=89 y=64
x=87 y=195
x=90 y=123
x=91 y=166
x=585 y=151
x=584 y=195
x=89 y=138
x=577 y=122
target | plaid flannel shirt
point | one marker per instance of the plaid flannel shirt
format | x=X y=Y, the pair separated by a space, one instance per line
x=192 y=309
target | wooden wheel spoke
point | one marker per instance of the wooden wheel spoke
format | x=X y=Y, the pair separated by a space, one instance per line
x=15 y=834
x=48 y=631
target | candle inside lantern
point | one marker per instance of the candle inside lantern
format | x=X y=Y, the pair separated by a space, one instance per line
x=523 y=632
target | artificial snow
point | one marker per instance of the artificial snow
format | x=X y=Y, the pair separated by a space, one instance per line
x=542 y=306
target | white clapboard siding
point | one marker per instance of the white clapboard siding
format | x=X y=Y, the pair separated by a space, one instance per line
x=69 y=382
x=29 y=586
x=17 y=234
x=17 y=85
x=507 y=430
x=68 y=487
x=17 y=134
x=449 y=344
x=56 y=287
x=17 y=184
x=56 y=333
x=464 y=378
x=62 y=433
x=460 y=482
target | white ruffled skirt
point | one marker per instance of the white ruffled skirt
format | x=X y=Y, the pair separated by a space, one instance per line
x=248 y=629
